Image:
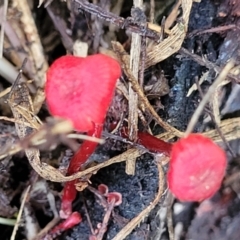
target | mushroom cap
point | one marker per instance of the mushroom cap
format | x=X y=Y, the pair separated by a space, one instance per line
x=81 y=89
x=116 y=197
x=196 y=169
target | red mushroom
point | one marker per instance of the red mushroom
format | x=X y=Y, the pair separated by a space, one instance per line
x=196 y=168
x=115 y=198
x=103 y=189
x=81 y=89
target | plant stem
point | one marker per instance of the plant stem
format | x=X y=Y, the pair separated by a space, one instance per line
x=72 y=220
x=81 y=156
x=150 y=142
x=154 y=144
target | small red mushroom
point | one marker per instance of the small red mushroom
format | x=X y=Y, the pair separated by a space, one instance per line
x=103 y=189
x=196 y=168
x=81 y=90
x=115 y=198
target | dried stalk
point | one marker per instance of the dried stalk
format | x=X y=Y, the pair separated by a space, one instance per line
x=133 y=97
x=207 y=96
x=173 y=42
x=31 y=34
x=124 y=59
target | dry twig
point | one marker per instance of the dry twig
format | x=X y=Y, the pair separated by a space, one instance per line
x=20 y=213
x=36 y=50
x=133 y=97
x=207 y=96
x=5 y=7
x=173 y=42
x=124 y=59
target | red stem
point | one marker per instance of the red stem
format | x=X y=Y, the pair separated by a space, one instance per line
x=154 y=144
x=80 y=157
x=150 y=142
x=73 y=220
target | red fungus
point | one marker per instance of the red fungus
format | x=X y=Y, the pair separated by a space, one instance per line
x=115 y=198
x=81 y=90
x=197 y=167
x=65 y=225
x=103 y=189
x=154 y=144
x=149 y=141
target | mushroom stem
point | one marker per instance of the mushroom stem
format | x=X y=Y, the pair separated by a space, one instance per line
x=80 y=157
x=73 y=220
x=85 y=151
x=150 y=142
x=154 y=144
